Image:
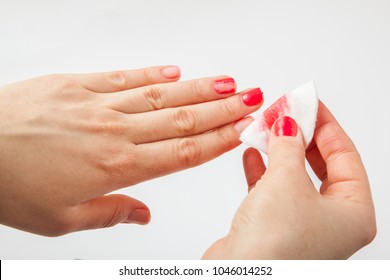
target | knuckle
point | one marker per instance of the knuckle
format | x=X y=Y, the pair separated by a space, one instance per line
x=184 y=121
x=226 y=138
x=153 y=95
x=147 y=74
x=118 y=79
x=288 y=157
x=197 y=89
x=107 y=128
x=115 y=163
x=334 y=144
x=115 y=217
x=229 y=107
x=295 y=147
x=103 y=123
x=188 y=152
x=110 y=167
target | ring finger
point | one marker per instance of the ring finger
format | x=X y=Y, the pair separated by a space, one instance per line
x=169 y=95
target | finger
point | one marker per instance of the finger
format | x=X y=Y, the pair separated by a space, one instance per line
x=286 y=158
x=316 y=161
x=108 y=82
x=172 y=95
x=343 y=162
x=164 y=157
x=286 y=148
x=254 y=167
x=107 y=211
x=193 y=119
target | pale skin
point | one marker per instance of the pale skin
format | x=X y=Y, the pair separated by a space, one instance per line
x=285 y=217
x=68 y=140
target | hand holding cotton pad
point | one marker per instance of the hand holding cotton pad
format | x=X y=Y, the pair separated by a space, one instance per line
x=301 y=104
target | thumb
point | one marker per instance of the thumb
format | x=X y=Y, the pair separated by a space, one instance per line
x=286 y=147
x=107 y=211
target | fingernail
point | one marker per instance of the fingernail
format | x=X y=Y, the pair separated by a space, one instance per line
x=252 y=97
x=242 y=124
x=139 y=216
x=285 y=126
x=225 y=86
x=171 y=72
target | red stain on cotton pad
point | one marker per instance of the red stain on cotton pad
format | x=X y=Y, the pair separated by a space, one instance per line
x=301 y=104
x=274 y=112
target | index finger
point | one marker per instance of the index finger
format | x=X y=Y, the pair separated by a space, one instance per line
x=108 y=82
x=334 y=156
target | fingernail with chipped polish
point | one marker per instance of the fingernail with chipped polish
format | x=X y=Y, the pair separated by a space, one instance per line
x=171 y=72
x=242 y=124
x=225 y=86
x=252 y=97
x=285 y=126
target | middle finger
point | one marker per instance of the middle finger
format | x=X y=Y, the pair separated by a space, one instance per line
x=193 y=119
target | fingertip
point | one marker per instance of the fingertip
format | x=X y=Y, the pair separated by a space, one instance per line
x=107 y=211
x=252 y=97
x=171 y=72
x=286 y=146
x=254 y=166
x=139 y=216
x=225 y=85
x=240 y=125
x=249 y=153
x=286 y=128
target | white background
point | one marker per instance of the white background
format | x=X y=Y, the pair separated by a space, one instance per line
x=277 y=45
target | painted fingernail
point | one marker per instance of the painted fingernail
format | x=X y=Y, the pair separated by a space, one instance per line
x=171 y=72
x=252 y=97
x=139 y=216
x=285 y=126
x=242 y=124
x=225 y=86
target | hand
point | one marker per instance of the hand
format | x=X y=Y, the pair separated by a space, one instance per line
x=67 y=140
x=284 y=216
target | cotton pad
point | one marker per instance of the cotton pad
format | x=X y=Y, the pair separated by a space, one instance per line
x=301 y=104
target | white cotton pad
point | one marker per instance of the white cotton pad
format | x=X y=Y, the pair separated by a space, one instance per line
x=301 y=104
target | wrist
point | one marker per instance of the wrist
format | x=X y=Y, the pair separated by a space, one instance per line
x=237 y=246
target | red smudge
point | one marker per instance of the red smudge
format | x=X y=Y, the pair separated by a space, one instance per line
x=225 y=86
x=275 y=111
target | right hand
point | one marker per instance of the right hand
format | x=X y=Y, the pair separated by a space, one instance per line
x=284 y=216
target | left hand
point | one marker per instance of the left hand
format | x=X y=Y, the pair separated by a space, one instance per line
x=68 y=140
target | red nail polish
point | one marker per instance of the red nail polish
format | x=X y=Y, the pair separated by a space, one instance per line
x=285 y=126
x=252 y=97
x=225 y=86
